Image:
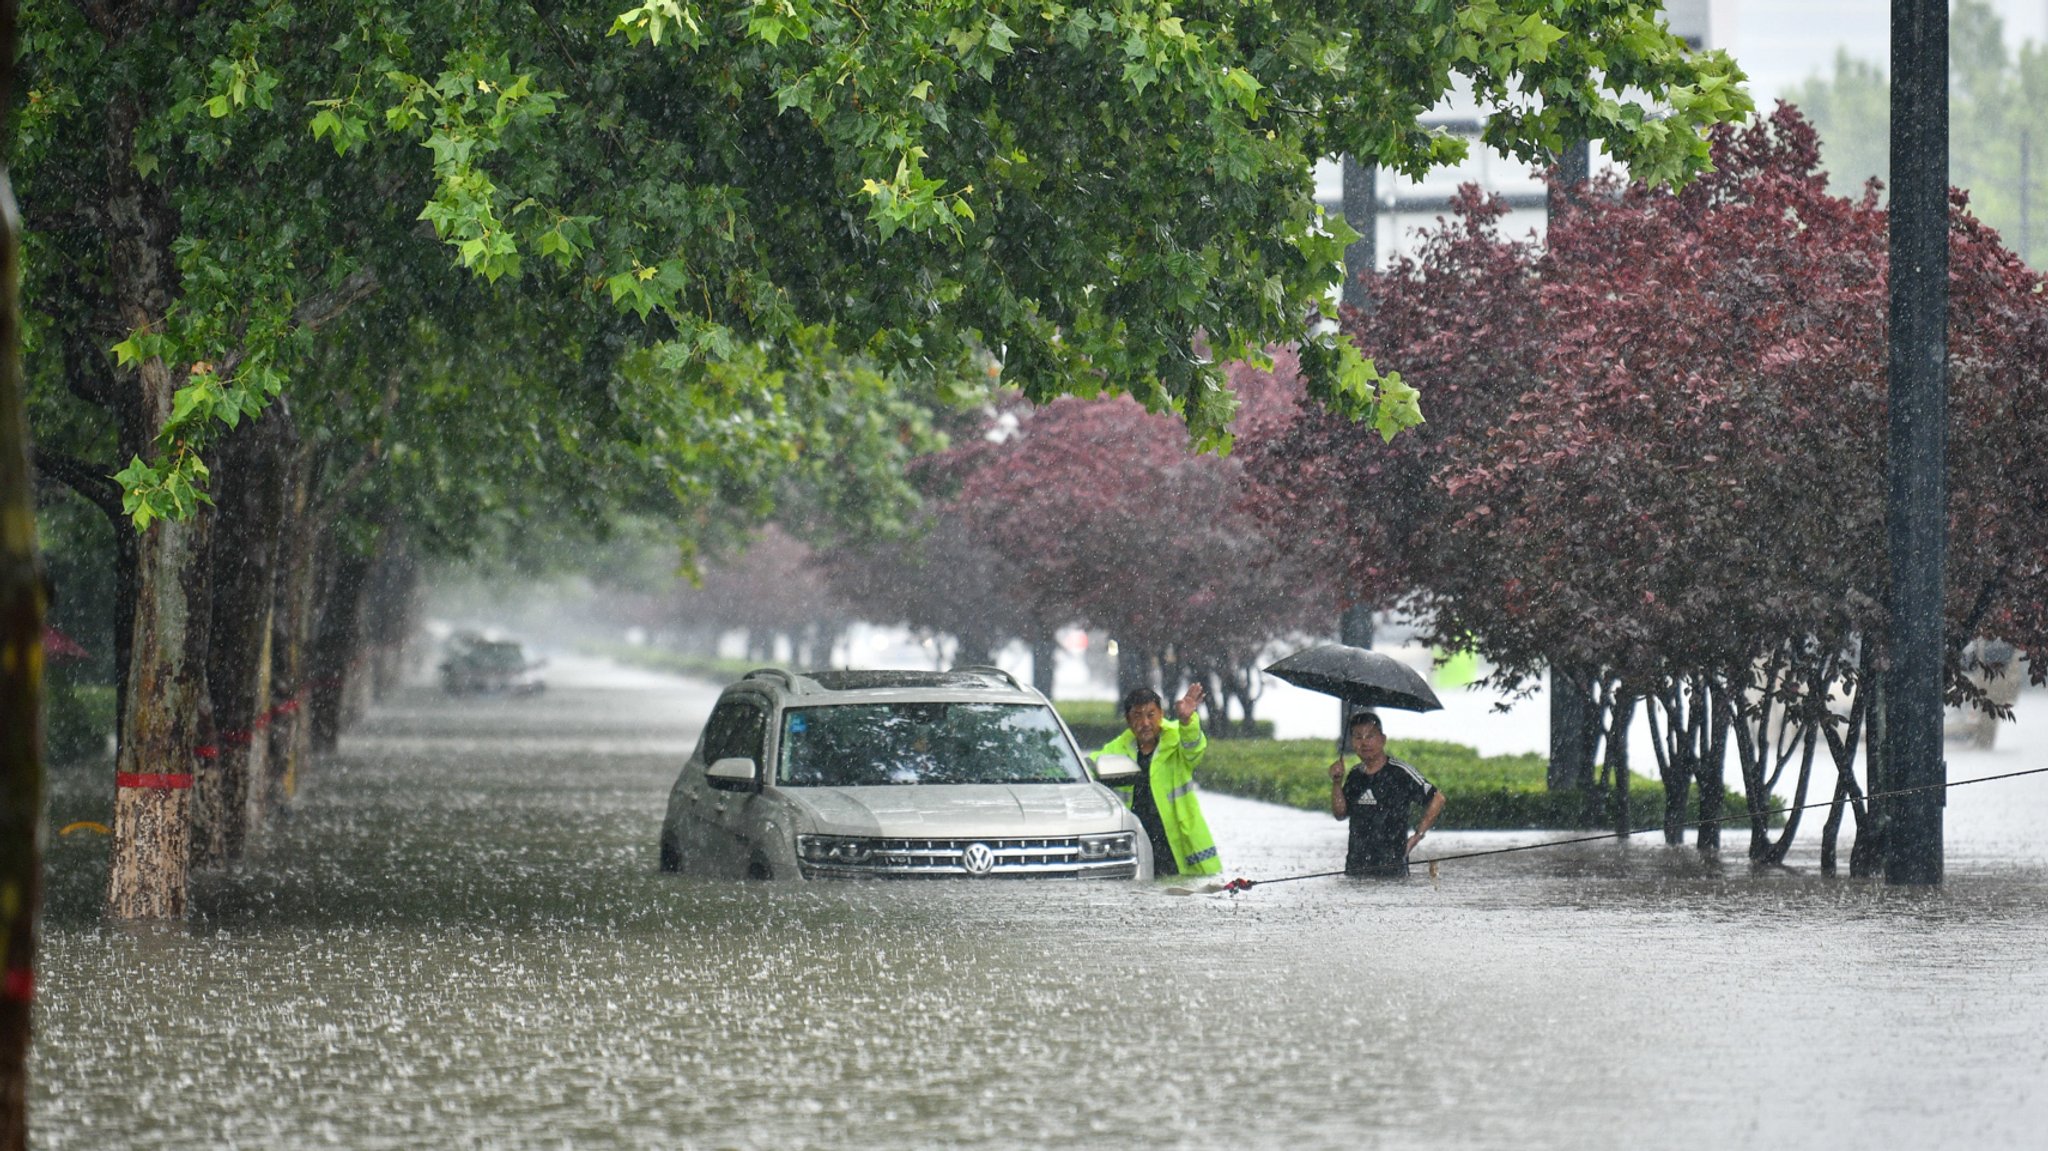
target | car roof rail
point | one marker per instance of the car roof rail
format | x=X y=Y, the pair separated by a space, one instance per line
x=788 y=680
x=990 y=669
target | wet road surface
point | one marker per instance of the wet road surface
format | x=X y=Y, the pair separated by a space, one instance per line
x=460 y=940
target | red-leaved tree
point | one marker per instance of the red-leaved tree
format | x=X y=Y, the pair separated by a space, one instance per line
x=1674 y=473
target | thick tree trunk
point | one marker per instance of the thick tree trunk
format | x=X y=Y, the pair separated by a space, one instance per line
x=165 y=733
x=21 y=672
x=164 y=727
x=1045 y=650
x=389 y=613
x=335 y=644
x=238 y=671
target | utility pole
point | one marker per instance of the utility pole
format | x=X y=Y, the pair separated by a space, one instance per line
x=1361 y=257
x=1916 y=508
x=1574 y=716
x=1362 y=212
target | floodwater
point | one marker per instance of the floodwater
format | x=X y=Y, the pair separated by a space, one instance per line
x=460 y=940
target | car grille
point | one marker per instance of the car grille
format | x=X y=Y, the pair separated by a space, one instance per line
x=1057 y=857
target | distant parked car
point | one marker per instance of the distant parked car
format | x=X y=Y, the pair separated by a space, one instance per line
x=896 y=774
x=474 y=665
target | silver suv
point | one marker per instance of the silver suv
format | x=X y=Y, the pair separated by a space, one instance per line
x=896 y=774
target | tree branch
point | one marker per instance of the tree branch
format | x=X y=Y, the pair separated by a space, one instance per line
x=86 y=372
x=322 y=309
x=323 y=513
x=88 y=480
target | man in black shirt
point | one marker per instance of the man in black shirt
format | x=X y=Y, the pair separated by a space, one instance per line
x=1375 y=796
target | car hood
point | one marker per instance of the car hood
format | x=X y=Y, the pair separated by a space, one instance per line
x=958 y=811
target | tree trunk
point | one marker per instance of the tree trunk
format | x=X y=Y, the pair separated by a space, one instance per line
x=1676 y=746
x=1045 y=649
x=164 y=727
x=390 y=611
x=21 y=673
x=1247 y=700
x=1776 y=850
x=238 y=671
x=165 y=733
x=1752 y=745
x=1866 y=855
x=1709 y=772
x=974 y=648
x=291 y=627
x=335 y=644
x=1133 y=668
x=1574 y=730
x=1624 y=714
x=1842 y=747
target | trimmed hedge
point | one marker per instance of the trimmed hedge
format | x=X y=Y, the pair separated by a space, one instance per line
x=1481 y=793
x=716 y=668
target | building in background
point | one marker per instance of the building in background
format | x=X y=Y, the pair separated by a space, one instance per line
x=1781 y=44
x=1401 y=205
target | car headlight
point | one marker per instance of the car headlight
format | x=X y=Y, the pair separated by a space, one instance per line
x=1121 y=845
x=833 y=849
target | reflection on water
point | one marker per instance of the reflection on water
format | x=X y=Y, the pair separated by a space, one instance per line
x=460 y=940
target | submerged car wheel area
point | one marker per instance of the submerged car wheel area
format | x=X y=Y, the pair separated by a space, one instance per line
x=896 y=774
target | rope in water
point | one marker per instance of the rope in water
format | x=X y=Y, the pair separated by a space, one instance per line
x=1242 y=884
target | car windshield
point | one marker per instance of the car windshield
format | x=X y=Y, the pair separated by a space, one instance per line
x=858 y=745
x=499 y=656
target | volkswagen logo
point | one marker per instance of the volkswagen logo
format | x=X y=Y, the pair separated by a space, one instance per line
x=978 y=859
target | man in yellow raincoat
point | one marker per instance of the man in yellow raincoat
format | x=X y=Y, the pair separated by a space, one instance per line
x=1167 y=752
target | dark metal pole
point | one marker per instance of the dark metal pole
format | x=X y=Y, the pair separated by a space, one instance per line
x=1574 y=168
x=1572 y=715
x=1362 y=212
x=1361 y=257
x=1917 y=507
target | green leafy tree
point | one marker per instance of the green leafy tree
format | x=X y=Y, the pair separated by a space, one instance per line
x=218 y=194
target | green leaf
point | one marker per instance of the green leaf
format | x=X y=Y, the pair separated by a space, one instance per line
x=1399 y=407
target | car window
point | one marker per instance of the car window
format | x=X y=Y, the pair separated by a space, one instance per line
x=738 y=728
x=856 y=745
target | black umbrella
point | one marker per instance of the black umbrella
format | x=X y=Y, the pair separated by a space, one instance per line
x=1357 y=676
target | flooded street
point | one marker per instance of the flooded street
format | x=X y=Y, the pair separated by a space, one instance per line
x=460 y=940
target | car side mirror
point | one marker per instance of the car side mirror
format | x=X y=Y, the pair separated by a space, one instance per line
x=734 y=773
x=1116 y=770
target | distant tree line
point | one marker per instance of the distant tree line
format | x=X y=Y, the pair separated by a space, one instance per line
x=1998 y=126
